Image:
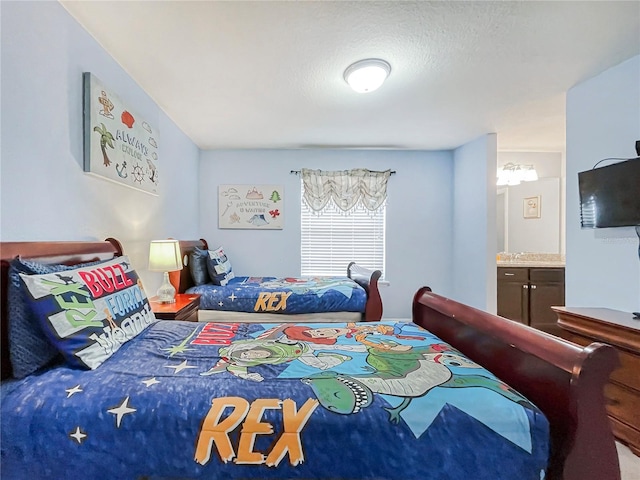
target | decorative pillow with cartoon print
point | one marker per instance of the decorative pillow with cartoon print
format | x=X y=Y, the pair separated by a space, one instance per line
x=88 y=313
x=219 y=267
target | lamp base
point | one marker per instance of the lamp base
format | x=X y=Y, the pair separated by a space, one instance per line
x=166 y=293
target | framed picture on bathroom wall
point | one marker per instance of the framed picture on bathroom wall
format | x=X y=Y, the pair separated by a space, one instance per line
x=255 y=207
x=531 y=207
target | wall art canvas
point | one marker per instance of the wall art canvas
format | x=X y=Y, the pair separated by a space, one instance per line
x=119 y=144
x=259 y=207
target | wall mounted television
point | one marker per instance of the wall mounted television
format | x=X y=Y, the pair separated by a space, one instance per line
x=610 y=196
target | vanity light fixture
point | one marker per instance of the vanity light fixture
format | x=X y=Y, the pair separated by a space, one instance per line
x=367 y=75
x=513 y=174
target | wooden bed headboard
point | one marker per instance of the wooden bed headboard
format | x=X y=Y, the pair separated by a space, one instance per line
x=68 y=253
x=181 y=280
x=564 y=380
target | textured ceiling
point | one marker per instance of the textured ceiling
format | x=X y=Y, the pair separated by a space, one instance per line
x=269 y=74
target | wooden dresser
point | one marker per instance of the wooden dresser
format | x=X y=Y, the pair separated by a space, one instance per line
x=621 y=330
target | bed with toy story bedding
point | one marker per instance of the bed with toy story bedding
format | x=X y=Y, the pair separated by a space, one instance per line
x=225 y=296
x=457 y=393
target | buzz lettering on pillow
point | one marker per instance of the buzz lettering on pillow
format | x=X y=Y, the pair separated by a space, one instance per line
x=96 y=309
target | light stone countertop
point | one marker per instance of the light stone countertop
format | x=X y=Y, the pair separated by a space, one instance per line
x=531 y=264
x=532 y=260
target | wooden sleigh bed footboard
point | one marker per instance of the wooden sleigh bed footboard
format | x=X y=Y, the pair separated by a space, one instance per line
x=366 y=278
x=564 y=380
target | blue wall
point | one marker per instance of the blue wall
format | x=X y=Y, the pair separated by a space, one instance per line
x=45 y=195
x=419 y=214
x=603 y=121
x=474 y=224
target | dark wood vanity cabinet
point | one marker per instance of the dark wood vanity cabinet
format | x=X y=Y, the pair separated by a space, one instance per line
x=526 y=295
x=513 y=294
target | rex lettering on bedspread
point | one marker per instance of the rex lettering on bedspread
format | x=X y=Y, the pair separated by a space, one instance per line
x=271 y=301
x=215 y=431
x=280 y=401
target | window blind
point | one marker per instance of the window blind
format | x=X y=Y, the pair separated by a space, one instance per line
x=331 y=239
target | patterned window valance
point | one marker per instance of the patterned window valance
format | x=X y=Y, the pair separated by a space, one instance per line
x=346 y=188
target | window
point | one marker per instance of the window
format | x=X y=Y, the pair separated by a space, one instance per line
x=331 y=237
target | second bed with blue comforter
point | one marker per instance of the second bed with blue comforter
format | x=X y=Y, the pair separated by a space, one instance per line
x=283 y=295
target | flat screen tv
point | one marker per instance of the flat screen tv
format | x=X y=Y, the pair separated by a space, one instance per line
x=610 y=196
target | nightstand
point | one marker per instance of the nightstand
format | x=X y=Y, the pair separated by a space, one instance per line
x=184 y=308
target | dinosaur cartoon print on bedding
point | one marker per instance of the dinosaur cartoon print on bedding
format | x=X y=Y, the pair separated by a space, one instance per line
x=234 y=400
x=283 y=295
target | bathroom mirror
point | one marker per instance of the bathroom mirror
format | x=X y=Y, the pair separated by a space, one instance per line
x=528 y=217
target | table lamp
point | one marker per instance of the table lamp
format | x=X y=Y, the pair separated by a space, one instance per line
x=164 y=256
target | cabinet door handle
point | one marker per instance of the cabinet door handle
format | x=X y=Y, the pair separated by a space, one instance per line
x=509 y=274
x=525 y=286
x=533 y=287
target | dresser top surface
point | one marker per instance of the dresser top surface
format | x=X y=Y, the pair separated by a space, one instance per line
x=605 y=315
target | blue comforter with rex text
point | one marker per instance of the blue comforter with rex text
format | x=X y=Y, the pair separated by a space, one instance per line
x=283 y=295
x=381 y=400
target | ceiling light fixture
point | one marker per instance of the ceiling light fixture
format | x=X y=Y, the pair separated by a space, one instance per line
x=513 y=174
x=367 y=75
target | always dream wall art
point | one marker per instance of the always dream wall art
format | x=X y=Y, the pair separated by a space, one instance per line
x=119 y=145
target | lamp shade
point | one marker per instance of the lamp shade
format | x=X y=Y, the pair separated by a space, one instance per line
x=164 y=256
x=367 y=75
